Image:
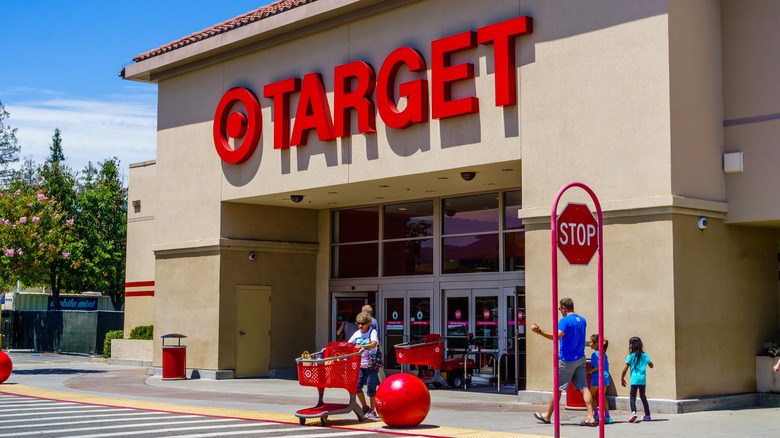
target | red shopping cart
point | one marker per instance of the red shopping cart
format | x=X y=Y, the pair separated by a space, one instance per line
x=427 y=353
x=339 y=367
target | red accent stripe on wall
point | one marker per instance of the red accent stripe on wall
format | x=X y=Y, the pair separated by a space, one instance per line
x=139 y=284
x=145 y=293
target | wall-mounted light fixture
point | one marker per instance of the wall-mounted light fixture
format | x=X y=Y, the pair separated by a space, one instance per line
x=732 y=162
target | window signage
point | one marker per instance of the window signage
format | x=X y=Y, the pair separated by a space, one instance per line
x=314 y=113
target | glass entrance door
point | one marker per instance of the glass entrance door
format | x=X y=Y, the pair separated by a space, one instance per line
x=407 y=318
x=457 y=310
x=513 y=365
x=477 y=314
x=345 y=309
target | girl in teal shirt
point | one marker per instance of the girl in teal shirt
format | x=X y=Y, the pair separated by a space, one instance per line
x=638 y=361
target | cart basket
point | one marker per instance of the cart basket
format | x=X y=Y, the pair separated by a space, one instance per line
x=338 y=368
x=429 y=352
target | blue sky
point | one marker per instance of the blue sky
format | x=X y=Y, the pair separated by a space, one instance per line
x=59 y=67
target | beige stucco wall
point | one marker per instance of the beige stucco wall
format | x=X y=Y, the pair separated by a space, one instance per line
x=751 y=66
x=293 y=313
x=284 y=241
x=143 y=187
x=595 y=103
x=186 y=302
x=696 y=102
x=725 y=305
x=638 y=297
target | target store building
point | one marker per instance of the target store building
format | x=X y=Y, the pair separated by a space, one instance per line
x=317 y=155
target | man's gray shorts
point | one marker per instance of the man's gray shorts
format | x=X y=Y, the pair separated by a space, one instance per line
x=572 y=371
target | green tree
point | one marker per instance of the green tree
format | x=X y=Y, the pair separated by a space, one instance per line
x=57 y=177
x=101 y=229
x=34 y=233
x=55 y=148
x=9 y=148
x=60 y=182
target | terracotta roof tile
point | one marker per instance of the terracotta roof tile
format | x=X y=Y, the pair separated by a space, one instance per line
x=242 y=20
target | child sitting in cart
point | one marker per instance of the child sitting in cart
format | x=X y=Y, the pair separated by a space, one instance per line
x=368 y=339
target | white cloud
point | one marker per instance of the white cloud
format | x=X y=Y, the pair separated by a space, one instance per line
x=123 y=126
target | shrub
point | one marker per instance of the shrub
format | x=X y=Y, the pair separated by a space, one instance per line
x=115 y=334
x=144 y=332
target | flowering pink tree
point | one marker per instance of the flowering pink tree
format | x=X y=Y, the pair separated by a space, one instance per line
x=34 y=235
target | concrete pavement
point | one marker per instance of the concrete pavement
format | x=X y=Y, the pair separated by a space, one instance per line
x=477 y=412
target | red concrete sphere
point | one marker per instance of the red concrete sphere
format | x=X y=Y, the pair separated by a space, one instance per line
x=402 y=400
x=5 y=367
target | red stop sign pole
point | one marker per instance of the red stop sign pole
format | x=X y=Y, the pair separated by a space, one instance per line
x=578 y=235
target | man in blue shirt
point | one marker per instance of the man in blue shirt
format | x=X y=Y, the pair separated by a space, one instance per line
x=571 y=359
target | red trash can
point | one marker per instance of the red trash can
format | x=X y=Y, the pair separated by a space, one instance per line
x=174 y=358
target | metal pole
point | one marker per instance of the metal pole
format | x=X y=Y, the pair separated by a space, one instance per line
x=554 y=233
x=556 y=383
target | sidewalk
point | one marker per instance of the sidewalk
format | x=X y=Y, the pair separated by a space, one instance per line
x=455 y=413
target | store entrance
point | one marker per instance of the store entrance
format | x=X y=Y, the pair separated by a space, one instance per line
x=406 y=318
x=486 y=325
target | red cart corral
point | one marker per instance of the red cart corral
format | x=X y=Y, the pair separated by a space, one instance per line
x=339 y=367
x=427 y=353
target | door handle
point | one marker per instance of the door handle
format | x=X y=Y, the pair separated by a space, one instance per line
x=240 y=333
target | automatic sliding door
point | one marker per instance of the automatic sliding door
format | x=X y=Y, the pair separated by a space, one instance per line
x=457 y=322
x=407 y=318
x=394 y=327
x=419 y=316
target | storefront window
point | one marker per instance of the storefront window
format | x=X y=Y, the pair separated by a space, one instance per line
x=463 y=254
x=474 y=234
x=514 y=250
x=408 y=220
x=408 y=257
x=356 y=225
x=512 y=204
x=470 y=214
x=352 y=261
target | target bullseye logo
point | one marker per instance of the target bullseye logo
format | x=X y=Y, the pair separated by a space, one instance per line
x=236 y=125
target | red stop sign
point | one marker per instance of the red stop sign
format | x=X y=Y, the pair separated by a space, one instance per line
x=578 y=237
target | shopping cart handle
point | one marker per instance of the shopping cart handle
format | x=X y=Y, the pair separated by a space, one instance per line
x=419 y=344
x=327 y=359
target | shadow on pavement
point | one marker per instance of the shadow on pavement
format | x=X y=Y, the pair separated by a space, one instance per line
x=55 y=371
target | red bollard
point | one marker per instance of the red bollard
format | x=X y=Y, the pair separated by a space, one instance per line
x=6 y=366
x=402 y=400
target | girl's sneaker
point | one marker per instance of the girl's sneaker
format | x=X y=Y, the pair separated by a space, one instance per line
x=646 y=418
x=632 y=418
x=608 y=420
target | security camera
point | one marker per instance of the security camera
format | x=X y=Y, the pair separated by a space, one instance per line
x=468 y=176
x=296 y=198
x=702 y=223
x=252 y=256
